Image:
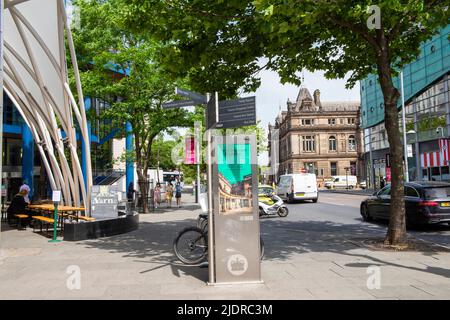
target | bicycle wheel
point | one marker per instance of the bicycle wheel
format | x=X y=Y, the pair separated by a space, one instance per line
x=190 y=246
x=261 y=247
x=204 y=226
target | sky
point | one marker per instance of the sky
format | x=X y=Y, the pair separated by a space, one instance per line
x=272 y=94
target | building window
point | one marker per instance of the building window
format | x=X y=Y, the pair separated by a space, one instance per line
x=333 y=168
x=351 y=143
x=332 y=121
x=307 y=122
x=351 y=120
x=309 y=144
x=332 y=145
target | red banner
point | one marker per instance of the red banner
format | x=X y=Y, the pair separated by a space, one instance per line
x=189 y=152
x=388 y=174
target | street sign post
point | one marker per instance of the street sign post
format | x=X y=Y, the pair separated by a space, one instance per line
x=197 y=97
x=212 y=112
x=237 y=113
x=178 y=104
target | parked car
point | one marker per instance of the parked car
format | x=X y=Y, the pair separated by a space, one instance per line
x=342 y=182
x=301 y=186
x=427 y=202
x=363 y=184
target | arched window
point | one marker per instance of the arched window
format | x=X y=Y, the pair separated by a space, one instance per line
x=332 y=143
x=351 y=143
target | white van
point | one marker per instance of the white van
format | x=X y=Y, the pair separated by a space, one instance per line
x=342 y=182
x=302 y=186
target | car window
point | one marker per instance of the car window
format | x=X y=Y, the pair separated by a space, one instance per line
x=285 y=181
x=411 y=192
x=266 y=191
x=386 y=191
x=435 y=193
x=336 y=180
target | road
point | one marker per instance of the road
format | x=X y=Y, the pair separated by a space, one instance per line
x=338 y=213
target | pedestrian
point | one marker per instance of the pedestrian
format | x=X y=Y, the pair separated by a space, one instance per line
x=157 y=193
x=25 y=187
x=178 y=189
x=130 y=192
x=382 y=183
x=169 y=194
x=18 y=206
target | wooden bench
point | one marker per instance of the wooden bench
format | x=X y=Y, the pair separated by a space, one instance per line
x=20 y=218
x=42 y=220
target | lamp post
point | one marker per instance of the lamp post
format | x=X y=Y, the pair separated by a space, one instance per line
x=405 y=151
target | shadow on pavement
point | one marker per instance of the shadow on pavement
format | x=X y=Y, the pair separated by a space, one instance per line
x=152 y=244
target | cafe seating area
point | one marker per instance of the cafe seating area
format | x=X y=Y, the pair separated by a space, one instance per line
x=72 y=224
x=42 y=217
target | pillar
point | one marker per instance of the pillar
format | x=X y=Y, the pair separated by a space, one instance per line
x=87 y=105
x=129 y=169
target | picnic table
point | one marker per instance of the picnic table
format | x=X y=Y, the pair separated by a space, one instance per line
x=63 y=212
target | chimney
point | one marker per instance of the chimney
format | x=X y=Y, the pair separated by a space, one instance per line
x=317 y=98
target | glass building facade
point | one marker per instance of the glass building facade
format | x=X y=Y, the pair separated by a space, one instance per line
x=426 y=90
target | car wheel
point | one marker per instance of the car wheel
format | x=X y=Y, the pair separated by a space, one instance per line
x=350 y=187
x=315 y=200
x=365 y=213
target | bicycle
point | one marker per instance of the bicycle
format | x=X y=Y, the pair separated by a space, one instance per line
x=191 y=244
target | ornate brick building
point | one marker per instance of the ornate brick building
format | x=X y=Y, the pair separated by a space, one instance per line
x=322 y=137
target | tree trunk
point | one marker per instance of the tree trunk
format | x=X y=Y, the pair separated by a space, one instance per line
x=396 y=234
x=143 y=187
x=142 y=175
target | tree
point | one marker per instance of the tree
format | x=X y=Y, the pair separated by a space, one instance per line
x=161 y=152
x=206 y=39
x=119 y=67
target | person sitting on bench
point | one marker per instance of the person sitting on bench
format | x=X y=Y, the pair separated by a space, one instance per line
x=18 y=206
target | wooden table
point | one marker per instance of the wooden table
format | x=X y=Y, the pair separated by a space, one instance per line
x=63 y=211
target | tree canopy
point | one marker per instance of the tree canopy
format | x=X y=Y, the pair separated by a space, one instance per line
x=217 y=44
x=119 y=67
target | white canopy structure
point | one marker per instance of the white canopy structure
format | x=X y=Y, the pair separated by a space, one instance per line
x=36 y=80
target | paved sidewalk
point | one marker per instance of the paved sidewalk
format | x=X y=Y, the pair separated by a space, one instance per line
x=304 y=260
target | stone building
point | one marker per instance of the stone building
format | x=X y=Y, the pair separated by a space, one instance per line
x=320 y=137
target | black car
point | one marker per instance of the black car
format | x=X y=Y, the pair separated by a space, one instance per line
x=427 y=202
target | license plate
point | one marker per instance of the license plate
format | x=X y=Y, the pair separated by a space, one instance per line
x=300 y=194
x=445 y=204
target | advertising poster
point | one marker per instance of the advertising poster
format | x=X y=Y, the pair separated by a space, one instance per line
x=235 y=179
x=189 y=150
